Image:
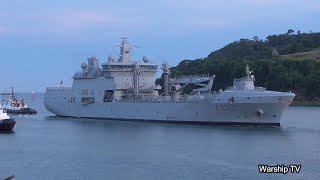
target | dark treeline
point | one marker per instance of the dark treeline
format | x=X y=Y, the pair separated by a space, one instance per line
x=299 y=76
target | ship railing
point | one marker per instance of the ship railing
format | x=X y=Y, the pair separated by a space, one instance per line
x=243 y=79
x=85 y=75
x=129 y=86
x=215 y=92
x=259 y=88
x=231 y=87
x=58 y=88
x=162 y=101
x=206 y=92
x=188 y=76
x=255 y=88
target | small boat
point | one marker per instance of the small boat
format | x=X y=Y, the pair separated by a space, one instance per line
x=6 y=123
x=12 y=106
x=6 y=92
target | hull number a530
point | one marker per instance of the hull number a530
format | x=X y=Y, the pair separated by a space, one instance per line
x=225 y=107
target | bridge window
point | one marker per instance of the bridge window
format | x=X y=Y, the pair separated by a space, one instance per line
x=87 y=100
x=108 y=96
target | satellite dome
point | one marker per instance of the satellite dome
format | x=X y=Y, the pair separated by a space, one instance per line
x=84 y=65
x=146 y=59
x=111 y=59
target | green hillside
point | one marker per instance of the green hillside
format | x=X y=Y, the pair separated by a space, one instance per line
x=294 y=70
x=303 y=55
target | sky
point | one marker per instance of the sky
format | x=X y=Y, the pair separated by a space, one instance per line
x=44 y=42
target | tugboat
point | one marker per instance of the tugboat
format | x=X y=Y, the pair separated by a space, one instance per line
x=6 y=123
x=13 y=107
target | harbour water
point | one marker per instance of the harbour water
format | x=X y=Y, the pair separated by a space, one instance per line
x=44 y=146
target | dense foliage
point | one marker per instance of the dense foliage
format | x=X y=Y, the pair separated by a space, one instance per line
x=261 y=49
x=299 y=76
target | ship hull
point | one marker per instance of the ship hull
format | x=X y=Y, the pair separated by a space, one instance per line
x=7 y=125
x=189 y=113
x=27 y=111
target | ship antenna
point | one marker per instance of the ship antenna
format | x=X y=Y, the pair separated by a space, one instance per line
x=12 y=94
x=125 y=50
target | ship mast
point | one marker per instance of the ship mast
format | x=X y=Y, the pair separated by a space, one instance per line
x=12 y=94
x=125 y=50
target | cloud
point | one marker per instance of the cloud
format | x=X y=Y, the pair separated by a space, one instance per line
x=205 y=4
x=266 y=2
x=4 y=30
x=197 y=15
x=211 y=23
x=71 y=20
x=74 y=19
x=64 y=23
x=233 y=8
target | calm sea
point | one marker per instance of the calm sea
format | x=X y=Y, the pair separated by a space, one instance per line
x=48 y=147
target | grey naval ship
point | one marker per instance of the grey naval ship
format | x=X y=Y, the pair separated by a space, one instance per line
x=122 y=89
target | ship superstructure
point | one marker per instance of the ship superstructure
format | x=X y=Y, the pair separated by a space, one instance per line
x=124 y=89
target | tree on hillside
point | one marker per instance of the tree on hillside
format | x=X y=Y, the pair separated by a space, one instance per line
x=256 y=38
x=279 y=74
x=290 y=31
